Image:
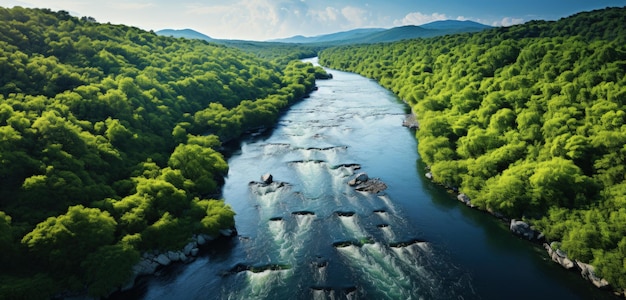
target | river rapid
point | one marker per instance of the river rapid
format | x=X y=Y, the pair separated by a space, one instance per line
x=309 y=235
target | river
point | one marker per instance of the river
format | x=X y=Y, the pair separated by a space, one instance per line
x=309 y=235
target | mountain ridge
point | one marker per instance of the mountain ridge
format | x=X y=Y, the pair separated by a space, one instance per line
x=359 y=35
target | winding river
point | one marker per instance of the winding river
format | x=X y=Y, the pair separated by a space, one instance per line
x=309 y=235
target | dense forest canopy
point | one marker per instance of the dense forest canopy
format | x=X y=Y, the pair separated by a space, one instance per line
x=109 y=143
x=528 y=120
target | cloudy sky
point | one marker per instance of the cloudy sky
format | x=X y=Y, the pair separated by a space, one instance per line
x=269 y=19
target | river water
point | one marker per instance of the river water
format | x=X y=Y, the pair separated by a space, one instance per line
x=309 y=235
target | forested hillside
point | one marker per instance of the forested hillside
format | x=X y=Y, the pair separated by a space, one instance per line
x=109 y=144
x=528 y=120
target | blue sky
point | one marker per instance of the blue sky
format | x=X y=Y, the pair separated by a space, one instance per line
x=269 y=19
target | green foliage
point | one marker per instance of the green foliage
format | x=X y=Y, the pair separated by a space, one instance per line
x=527 y=120
x=85 y=229
x=109 y=266
x=109 y=139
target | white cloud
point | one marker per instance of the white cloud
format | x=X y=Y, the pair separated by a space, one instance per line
x=508 y=21
x=418 y=18
x=329 y=14
x=355 y=16
x=251 y=19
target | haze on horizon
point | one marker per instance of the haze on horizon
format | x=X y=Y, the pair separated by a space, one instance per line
x=262 y=20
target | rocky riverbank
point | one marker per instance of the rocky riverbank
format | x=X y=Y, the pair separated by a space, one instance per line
x=528 y=232
x=151 y=263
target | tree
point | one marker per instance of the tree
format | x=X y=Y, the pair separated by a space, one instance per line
x=73 y=235
x=560 y=182
x=109 y=266
x=204 y=166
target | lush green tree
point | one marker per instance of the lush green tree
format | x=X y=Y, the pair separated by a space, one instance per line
x=109 y=266
x=204 y=166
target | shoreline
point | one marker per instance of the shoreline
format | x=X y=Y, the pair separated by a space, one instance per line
x=526 y=231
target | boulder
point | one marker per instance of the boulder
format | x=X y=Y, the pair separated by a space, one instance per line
x=163 y=260
x=429 y=175
x=374 y=186
x=173 y=256
x=194 y=252
x=588 y=272
x=463 y=198
x=358 y=179
x=267 y=178
x=559 y=256
x=522 y=229
x=362 y=177
x=145 y=267
x=201 y=240
x=188 y=247
x=230 y=232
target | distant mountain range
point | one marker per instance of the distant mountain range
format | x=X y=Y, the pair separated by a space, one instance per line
x=361 y=35
x=379 y=35
x=333 y=37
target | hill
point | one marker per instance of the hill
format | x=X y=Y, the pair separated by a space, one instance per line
x=527 y=121
x=455 y=25
x=184 y=33
x=398 y=34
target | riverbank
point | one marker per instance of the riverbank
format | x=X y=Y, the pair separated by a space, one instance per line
x=527 y=232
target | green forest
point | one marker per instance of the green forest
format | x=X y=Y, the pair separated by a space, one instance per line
x=110 y=140
x=529 y=121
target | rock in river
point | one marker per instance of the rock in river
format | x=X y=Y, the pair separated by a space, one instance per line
x=363 y=183
x=267 y=178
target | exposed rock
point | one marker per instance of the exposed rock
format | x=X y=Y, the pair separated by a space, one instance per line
x=194 y=252
x=463 y=198
x=173 y=256
x=229 y=232
x=163 y=260
x=559 y=256
x=188 y=247
x=358 y=179
x=267 y=178
x=522 y=228
x=145 y=267
x=406 y=243
x=345 y=213
x=429 y=175
x=363 y=183
x=362 y=177
x=374 y=186
x=201 y=240
x=255 y=269
x=588 y=272
x=303 y=213
x=410 y=122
